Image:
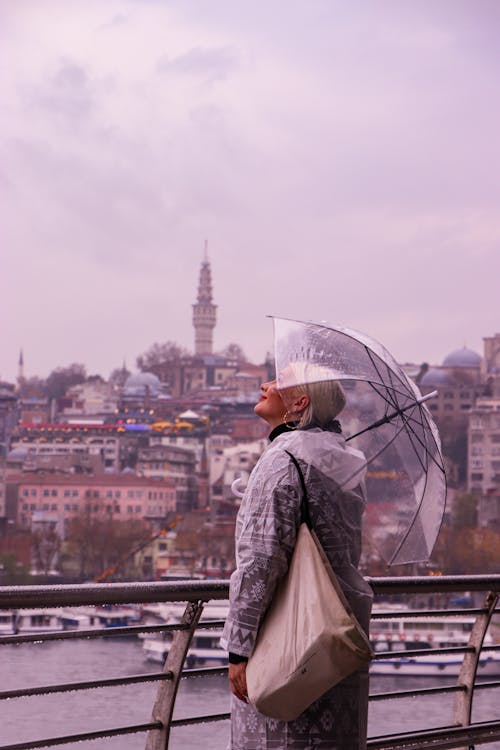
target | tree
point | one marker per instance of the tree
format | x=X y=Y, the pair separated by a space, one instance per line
x=96 y=544
x=119 y=376
x=34 y=387
x=464 y=511
x=159 y=354
x=63 y=378
x=234 y=351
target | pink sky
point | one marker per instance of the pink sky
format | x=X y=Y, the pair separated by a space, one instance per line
x=341 y=158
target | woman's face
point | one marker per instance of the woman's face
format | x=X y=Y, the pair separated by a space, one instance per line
x=270 y=405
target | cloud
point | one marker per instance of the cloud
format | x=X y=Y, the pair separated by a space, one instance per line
x=67 y=92
x=207 y=64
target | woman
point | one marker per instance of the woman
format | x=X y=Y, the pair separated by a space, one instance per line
x=303 y=422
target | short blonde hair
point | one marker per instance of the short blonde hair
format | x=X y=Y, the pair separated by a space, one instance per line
x=326 y=401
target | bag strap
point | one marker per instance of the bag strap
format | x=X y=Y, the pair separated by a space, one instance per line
x=305 y=516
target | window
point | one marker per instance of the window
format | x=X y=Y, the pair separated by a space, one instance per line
x=26 y=493
x=130 y=509
x=53 y=493
x=449 y=394
x=74 y=493
x=53 y=506
x=448 y=407
x=117 y=494
x=45 y=507
x=46 y=493
x=476 y=477
x=495 y=438
x=137 y=508
x=33 y=493
x=67 y=506
x=75 y=506
x=476 y=437
x=67 y=493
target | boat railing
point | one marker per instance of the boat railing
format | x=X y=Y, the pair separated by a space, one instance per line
x=461 y=732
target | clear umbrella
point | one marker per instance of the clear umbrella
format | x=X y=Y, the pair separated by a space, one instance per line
x=386 y=418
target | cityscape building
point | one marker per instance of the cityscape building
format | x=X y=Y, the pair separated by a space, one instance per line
x=120 y=497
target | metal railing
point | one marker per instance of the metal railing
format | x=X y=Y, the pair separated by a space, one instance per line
x=461 y=732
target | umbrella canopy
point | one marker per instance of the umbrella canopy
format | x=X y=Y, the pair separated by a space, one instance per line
x=386 y=419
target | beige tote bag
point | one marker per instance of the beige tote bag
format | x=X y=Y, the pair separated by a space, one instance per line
x=310 y=639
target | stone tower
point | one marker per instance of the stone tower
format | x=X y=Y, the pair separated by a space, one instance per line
x=20 y=367
x=204 y=311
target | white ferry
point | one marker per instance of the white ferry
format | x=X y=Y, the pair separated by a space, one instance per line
x=7 y=622
x=89 y=618
x=205 y=649
x=411 y=633
x=38 y=620
x=394 y=633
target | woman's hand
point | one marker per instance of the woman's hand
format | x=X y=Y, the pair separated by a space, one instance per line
x=238 y=680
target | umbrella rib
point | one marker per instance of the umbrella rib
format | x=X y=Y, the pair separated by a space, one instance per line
x=413 y=521
x=372 y=458
x=423 y=445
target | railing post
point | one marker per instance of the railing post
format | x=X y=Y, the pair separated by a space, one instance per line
x=163 y=708
x=462 y=707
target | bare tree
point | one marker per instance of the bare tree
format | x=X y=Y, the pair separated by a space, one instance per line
x=63 y=378
x=159 y=354
x=234 y=351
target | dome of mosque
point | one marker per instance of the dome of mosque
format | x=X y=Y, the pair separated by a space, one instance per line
x=435 y=377
x=462 y=358
x=142 y=382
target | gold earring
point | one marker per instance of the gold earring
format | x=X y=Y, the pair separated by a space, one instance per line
x=288 y=422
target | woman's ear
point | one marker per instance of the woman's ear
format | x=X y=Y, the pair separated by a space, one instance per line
x=299 y=404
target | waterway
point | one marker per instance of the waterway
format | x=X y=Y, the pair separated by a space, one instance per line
x=46 y=663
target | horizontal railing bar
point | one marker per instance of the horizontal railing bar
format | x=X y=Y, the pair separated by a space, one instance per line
x=197 y=720
x=96 y=735
x=205 y=671
x=491 y=684
x=446 y=737
x=63 y=635
x=423 y=652
x=405 y=614
x=416 y=691
x=18 y=597
x=434 y=584
x=62 y=595
x=69 y=687
x=491 y=647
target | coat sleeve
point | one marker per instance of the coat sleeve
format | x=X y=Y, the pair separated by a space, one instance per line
x=264 y=548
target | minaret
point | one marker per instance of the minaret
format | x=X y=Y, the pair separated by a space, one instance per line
x=204 y=312
x=20 y=367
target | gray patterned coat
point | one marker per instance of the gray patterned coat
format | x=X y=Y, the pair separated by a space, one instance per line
x=266 y=530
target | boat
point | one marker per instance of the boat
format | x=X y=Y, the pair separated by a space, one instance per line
x=90 y=618
x=38 y=620
x=205 y=648
x=394 y=633
x=398 y=633
x=8 y=622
